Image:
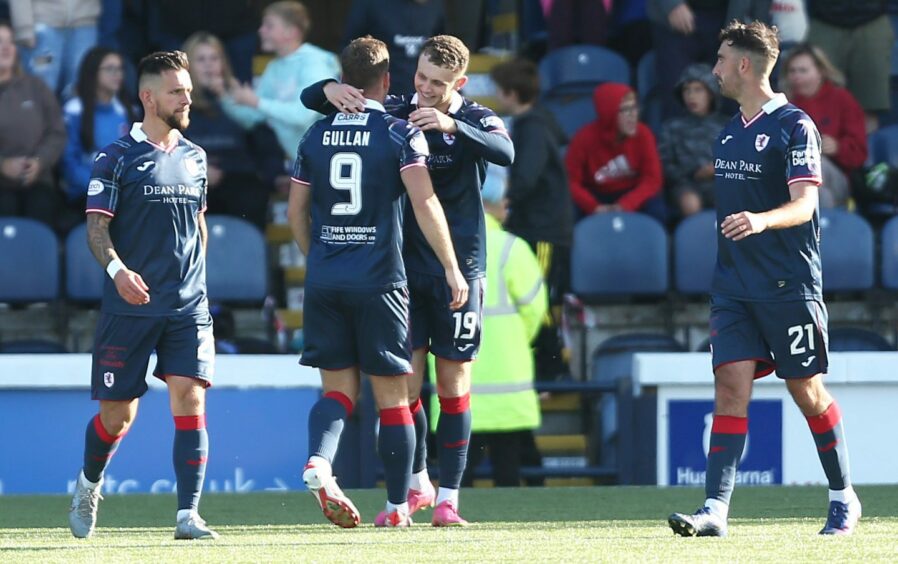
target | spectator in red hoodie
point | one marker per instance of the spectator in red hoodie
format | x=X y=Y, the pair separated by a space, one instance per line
x=613 y=162
x=815 y=85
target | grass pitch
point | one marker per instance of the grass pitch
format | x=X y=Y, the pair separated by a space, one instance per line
x=509 y=525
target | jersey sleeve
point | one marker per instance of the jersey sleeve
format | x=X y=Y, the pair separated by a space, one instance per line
x=803 y=160
x=414 y=149
x=204 y=192
x=103 y=188
x=300 y=167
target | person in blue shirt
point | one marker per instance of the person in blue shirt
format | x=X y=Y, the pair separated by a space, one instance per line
x=146 y=226
x=297 y=64
x=463 y=137
x=767 y=310
x=346 y=210
x=99 y=114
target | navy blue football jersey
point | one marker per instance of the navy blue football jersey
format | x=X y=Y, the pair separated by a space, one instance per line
x=457 y=165
x=352 y=163
x=755 y=161
x=154 y=197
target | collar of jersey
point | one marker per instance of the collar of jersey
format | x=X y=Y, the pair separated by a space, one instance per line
x=374 y=105
x=778 y=101
x=454 y=104
x=138 y=134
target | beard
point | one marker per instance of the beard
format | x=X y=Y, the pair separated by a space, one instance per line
x=176 y=121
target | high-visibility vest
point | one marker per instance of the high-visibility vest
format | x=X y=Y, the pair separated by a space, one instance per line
x=502 y=394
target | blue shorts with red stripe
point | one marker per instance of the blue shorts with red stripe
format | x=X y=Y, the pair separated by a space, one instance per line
x=788 y=337
x=449 y=334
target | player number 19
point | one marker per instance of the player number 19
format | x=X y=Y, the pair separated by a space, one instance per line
x=351 y=181
x=797 y=332
x=465 y=324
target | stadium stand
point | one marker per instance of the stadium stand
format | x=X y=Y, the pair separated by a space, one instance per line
x=237 y=266
x=695 y=253
x=578 y=69
x=83 y=274
x=845 y=339
x=649 y=93
x=846 y=251
x=29 y=261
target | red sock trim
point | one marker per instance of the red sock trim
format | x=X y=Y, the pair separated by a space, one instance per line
x=415 y=407
x=827 y=420
x=343 y=399
x=190 y=422
x=105 y=435
x=393 y=416
x=454 y=406
x=728 y=425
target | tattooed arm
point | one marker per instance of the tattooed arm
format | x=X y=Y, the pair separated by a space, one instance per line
x=129 y=284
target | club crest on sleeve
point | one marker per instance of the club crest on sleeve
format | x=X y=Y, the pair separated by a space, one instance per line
x=108 y=379
x=761 y=142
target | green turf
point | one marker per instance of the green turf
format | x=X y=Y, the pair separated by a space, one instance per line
x=520 y=525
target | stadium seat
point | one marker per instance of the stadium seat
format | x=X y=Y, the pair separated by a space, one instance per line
x=889 y=244
x=695 y=253
x=571 y=112
x=84 y=276
x=29 y=261
x=619 y=255
x=612 y=360
x=846 y=249
x=236 y=261
x=847 y=339
x=578 y=69
x=883 y=146
x=32 y=346
x=649 y=96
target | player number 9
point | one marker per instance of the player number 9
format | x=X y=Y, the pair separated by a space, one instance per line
x=351 y=181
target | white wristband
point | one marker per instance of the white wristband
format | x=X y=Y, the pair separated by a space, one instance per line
x=113 y=267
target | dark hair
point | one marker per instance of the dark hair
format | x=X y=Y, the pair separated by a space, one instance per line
x=448 y=52
x=519 y=76
x=364 y=61
x=756 y=38
x=156 y=63
x=86 y=89
x=17 y=64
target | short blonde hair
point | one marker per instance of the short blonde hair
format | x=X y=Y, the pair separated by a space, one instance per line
x=294 y=13
x=200 y=99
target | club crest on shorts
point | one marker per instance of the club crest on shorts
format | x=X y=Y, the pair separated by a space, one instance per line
x=109 y=379
x=761 y=141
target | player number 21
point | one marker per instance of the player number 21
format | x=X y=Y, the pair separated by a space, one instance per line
x=465 y=324
x=346 y=174
x=797 y=332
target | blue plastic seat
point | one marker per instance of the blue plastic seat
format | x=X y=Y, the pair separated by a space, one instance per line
x=29 y=261
x=619 y=255
x=889 y=249
x=695 y=253
x=846 y=249
x=236 y=261
x=579 y=69
x=572 y=112
x=847 y=339
x=84 y=277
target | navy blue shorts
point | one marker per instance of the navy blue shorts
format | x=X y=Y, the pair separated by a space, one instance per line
x=788 y=337
x=123 y=344
x=365 y=329
x=453 y=335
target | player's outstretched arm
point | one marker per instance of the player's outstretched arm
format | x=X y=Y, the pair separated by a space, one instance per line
x=432 y=221
x=129 y=284
x=799 y=210
x=298 y=215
